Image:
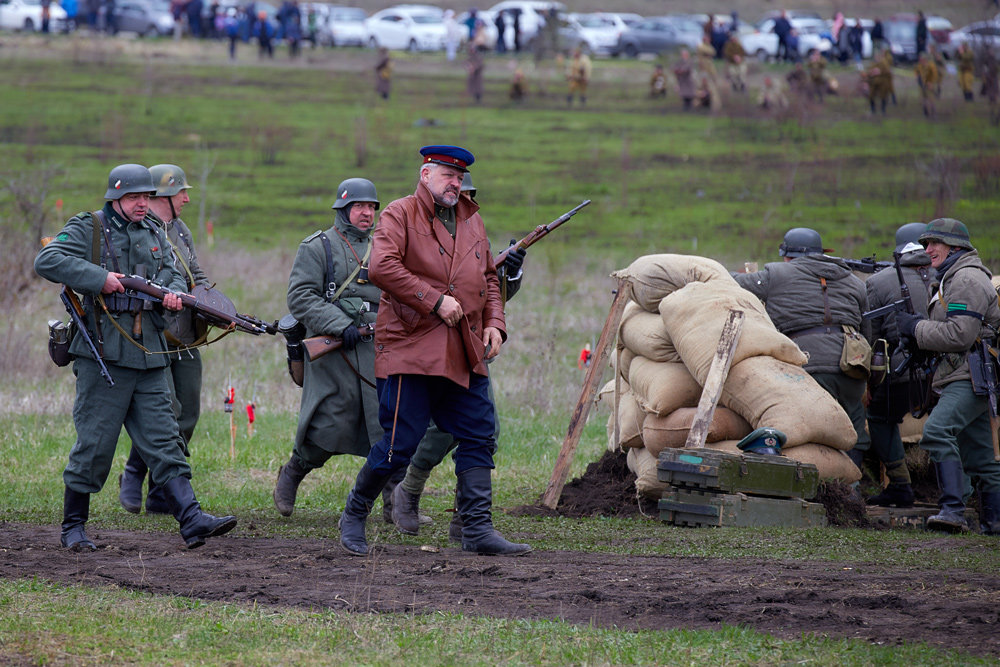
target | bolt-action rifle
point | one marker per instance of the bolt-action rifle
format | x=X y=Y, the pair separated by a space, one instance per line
x=865 y=264
x=209 y=304
x=984 y=356
x=920 y=364
x=538 y=232
x=317 y=346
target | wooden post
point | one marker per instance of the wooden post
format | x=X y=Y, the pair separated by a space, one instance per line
x=579 y=419
x=715 y=379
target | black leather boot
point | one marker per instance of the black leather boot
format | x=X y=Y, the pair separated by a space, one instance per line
x=156 y=499
x=405 y=511
x=990 y=506
x=857 y=458
x=951 y=482
x=130 y=482
x=76 y=511
x=359 y=503
x=387 y=490
x=290 y=476
x=475 y=501
x=196 y=525
x=899 y=495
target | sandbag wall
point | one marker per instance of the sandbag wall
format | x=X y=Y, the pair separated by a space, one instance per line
x=667 y=339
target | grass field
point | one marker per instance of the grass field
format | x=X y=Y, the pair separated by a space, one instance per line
x=266 y=146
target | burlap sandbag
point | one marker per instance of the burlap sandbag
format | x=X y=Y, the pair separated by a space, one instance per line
x=630 y=417
x=623 y=359
x=643 y=464
x=661 y=387
x=643 y=333
x=695 y=316
x=671 y=431
x=655 y=276
x=911 y=430
x=831 y=463
x=768 y=392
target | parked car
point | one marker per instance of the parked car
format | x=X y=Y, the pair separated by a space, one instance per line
x=658 y=35
x=344 y=26
x=410 y=27
x=596 y=33
x=901 y=34
x=27 y=15
x=146 y=18
x=532 y=15
x=762 y=43
x=979 y=35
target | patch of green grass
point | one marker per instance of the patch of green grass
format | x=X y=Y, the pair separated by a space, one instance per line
x=47 y=623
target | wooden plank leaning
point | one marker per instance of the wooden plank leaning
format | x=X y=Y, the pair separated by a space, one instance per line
x=593 y=378
x=716 y=378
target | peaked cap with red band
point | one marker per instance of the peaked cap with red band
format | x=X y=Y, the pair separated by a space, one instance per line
x=450 y=156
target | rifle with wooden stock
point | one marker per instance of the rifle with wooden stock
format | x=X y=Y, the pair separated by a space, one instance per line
x=209 y=304
x=317 y=346
x=538 y=232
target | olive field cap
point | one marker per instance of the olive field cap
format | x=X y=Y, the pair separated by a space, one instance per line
x=801 y=241
x=450 y=156
x=909 y=233
x=169 y=179
x=764 y=440
x=949 y=231
x=128 y=179
x=355 y=190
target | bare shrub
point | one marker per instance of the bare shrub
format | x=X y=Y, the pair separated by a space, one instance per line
x=986 y=173
x=268 y=138
x=941 y=182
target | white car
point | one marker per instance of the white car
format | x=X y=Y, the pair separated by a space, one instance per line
x=762 y=43
x=344 y=26
x=531 y=17
x=981 y=35
x=596 y=33
x=27 y=15
x=410 y=27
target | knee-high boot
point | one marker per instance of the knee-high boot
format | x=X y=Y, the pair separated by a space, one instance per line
x=196 y=525
x=287 y=487
x=359 y=503
x=475 y=502
x=387 y=490
x=76 y=511
x=130 y=482
x=951 y=482
x=990 y=519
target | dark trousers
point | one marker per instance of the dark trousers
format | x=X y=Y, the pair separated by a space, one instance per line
x=407 y=403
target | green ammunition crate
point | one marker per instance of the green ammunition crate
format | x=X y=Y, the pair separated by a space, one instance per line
x=700 y=508
x=712 y=470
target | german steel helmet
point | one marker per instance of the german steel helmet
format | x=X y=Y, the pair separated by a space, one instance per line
x=356 y=189
x=909 y=233
x=169 y=179
x=128 y=178
x=467 y=185
x=801 y=241
x=948 y=231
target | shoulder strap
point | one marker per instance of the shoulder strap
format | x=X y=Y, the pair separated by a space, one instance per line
x=827 y=317
x=99 y=215
x=331 y=291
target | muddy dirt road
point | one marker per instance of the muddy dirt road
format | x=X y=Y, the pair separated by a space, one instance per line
x=949 y=609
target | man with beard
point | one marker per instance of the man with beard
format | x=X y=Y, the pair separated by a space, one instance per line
x=440 y=316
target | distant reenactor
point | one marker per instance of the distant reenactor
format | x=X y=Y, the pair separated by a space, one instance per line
x=961 y=326
x=658 y=83
x=817 y=301
x=879 y=80
x=383 y=73
x=578 y=75
x=184 y=333
x=330 y=295
x=684 y=73
x=89 y=256
x=966 y=69
x=817 y=76
x=518 y=86
x=798 y=80
x=772 y=96
x=891 y=399
x=736 y=62
x=474 y=67
x=927 y=78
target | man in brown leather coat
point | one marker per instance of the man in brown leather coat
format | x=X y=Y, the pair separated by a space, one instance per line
x=440 y=316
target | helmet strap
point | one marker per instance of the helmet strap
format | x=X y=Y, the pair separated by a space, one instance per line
x=173 y=211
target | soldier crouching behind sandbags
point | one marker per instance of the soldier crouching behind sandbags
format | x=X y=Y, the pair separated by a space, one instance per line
x=961 y=325
x=817 y=301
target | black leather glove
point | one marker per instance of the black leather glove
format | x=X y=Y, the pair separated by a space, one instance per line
x=906 y=324
x=515 y=258
x=351 y=337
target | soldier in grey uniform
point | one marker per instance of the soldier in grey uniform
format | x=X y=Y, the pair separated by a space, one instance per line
x=890 y=401
x=957 y=434
x=185 y=362
x=436 y=444
x=89 y=255
x=812 y=298
x=329 y=293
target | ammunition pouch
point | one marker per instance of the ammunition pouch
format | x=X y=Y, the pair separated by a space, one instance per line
x=60 y=335
x=355 y=307
x=982 y=370
x=856 y=356
x=879 y=366
x=293 y=331
x=122 y=303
